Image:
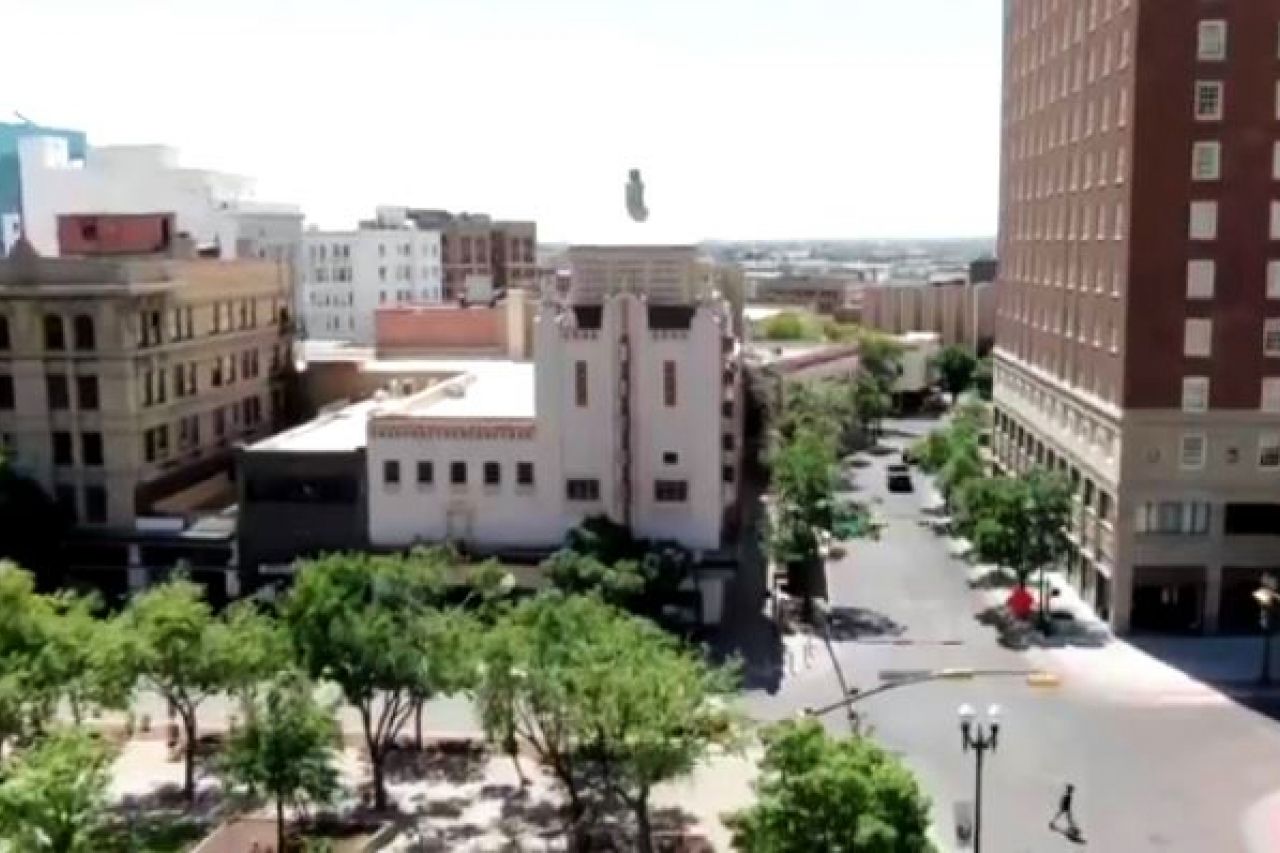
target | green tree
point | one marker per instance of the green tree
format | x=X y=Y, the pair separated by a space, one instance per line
x=983 y=379
x=574 y=573
x=872 y=402
x=956 y=366
x=85 y=655
x=358 y=620
x=177 y=647
x=835 y=795
x=54 y=795
x=28 y=687
x=789 y=326
x=1021 y=523
x=880 y=357
x=286 y=748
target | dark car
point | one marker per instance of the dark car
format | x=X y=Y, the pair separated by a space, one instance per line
x=900 y=481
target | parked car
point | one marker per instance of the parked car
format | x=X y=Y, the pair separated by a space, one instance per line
x=900 y=481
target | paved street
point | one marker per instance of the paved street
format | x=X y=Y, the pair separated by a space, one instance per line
x=1161 y=762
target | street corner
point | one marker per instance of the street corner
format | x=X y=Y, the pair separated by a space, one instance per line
x=1261 y=825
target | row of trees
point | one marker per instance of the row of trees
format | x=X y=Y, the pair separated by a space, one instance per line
x=1016 y=522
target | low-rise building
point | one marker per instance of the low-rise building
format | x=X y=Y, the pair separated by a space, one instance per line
x=956 y=310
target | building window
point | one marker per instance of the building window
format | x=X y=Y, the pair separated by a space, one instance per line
x=56 y=390
x=668 y=383
x=670 y=458
x=1173 y=517
x=95 y=504
x=458 y=473
x=1275 y=161
x=1271 y=395
x=580 y=384
x=391 y=472
x=426 y=473
x=1206 y=161
x=91 y=448
x=1211 y=41
x=728 y=474
x=1271 y=338
x=87 y=393
x=1191 y=452
x=1195 y=393
x=727 y=442
x=492 y=474
x=1269 y=450
x=6 y=392
x=1204 y=220
x=62 y=448
x=1275 y=220
x=524 y=474
x=4 y=332
x=83 y=332
x=1208 y=105
x=670 y=491
x=54 y=339
x=1200 y=279
x=582 y=490
x=1197 y=341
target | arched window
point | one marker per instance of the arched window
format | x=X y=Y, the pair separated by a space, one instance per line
x=84 y=333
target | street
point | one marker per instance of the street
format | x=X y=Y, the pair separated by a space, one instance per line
x=1160 y=762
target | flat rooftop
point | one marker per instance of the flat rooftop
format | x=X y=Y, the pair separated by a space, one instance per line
x=342 y=431
x=481 y=389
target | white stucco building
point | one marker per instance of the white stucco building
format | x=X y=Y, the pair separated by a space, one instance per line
x=632 y=409
x=218 y=210
x=345 y=276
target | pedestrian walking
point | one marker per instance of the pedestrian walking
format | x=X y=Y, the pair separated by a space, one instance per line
x=1066 y=811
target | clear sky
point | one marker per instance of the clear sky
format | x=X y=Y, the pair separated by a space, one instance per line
x=751 y=119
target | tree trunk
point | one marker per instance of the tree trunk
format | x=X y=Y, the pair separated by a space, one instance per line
x=644 y=831
x=379 y=783
x=417 y=724
x=279 y=825
x=189 y=756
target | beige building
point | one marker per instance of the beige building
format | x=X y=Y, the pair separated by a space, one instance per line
x=957 y=311
x=124 y=382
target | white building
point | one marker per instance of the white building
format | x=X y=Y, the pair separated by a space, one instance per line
x=345 y=276
x=631 y=409
x=218 y=210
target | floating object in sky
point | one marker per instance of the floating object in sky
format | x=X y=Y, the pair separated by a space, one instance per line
x=635 y=197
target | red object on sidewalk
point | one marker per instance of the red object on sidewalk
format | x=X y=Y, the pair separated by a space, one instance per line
x=1021 y=602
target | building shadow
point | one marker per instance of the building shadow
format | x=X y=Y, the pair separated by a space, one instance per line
x=1022 y=634
x=845 y=623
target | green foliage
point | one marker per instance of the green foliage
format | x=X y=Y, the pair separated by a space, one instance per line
x=956 y=366
x=608 y=702
x=983 y=380
x=872 y=401
x=28 y=684
x=581 y=574
x=602 y=557
x=54 y=795
x=286 y=749
x=790 y=326
x=605 y=539
x=85 y=656
x=839 y=796
x=880 y=357
x=1021 y=523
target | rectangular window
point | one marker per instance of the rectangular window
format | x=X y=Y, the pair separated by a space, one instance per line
x=1275 y=161
x=670 y=458
x=6 y=392
x=668 y=383
x=1191 y=452
x=458 y=473
x=1204 y=220
x=56 y=388
x=582 y=490
x=1195 y=393
x=54 y=337
x=4 y=332
x=670 y=491
x=426 y=473
x=391 y=473
x=727 y=442
x=1206 y=161
x=1200 y=279
x=95 y=504
x=1208 y=105
x=62 y=448
x=91 y=448
x=87 y=393
x=492 y=474
x=1271 y=338
x=1197 y=341
x=1271 y=395
x=524 y=474
x=580 y=384
x=1269 y=450
x=1275 y=220
x=1211 y=41
x=728 y=474
x=1273 y=279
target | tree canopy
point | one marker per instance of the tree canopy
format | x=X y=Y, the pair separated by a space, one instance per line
x=53 y=796
x=834 y=795
x=956 y=366
x=1021 y=523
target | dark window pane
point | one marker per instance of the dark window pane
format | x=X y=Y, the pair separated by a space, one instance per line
x=391 y=473
x=84 y=332
x=95 y=504
x=524 y=473
x=458 y=473
x=6 y=391
x=53 y=334
x=56 y=387
x=87 y=392
x=492 y=474
x=670 y=491
x=426 y=473
x=62 y=448
x=4 y=332
x=91 y=448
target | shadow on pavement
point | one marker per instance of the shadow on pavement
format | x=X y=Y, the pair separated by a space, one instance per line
x=859 y=623
x=1019 y=635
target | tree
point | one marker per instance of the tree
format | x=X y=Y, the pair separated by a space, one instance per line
x=54 y=795
x=880 y=357
x=358 y=620
x=820 y=793
x=286 y=748
x=790 y=326
x=179 y=648
x=872 y=402
x=956 y=366
x=983 y=378
x=574 y=573
x=28 y=693
x=85 y=656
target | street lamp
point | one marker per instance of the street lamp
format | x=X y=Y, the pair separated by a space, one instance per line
x=979 y=736
x=1266 y=597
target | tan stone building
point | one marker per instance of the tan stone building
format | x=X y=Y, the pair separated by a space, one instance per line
x=957 y=311
x=125 y=382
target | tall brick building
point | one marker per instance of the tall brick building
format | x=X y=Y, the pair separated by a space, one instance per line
x=1138 y=321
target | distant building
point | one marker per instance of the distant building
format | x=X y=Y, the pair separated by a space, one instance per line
x=957 y=311
x=504 y=329
x=476 y=247
x=11 y=172
x=825 y=294
x=346 y=276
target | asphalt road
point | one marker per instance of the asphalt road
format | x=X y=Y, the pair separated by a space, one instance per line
x=1153 y=771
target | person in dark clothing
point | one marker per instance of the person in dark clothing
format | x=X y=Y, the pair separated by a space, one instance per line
x=1065 y=810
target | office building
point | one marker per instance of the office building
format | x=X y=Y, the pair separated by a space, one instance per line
x=956 y=310
x=1138 y=321
x=480 y=254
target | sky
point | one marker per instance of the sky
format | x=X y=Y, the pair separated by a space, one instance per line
x=749 y=119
